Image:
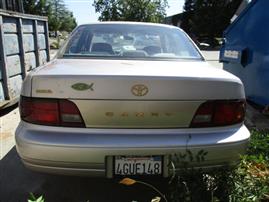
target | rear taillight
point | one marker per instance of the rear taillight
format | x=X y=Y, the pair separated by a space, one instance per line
x=219 y=113
x=52 y=112
x=69 y=114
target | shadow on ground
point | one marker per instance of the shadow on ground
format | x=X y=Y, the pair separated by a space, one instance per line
x=16 y=182
x=7 y=110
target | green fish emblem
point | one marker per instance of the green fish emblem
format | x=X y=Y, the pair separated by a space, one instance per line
x=82 y=86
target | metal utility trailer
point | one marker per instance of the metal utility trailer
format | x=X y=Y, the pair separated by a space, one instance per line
x=245 y=51
x=24 y=45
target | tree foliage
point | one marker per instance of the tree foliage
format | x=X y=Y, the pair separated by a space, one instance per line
x=208 y=18
x=131 y=10
x=59 y=17
x=36 y=7
x=57 y=12
x=68 y=22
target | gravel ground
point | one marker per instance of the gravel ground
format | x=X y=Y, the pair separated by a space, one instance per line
x=17 y=182
x=9 y=121
x=53 y=53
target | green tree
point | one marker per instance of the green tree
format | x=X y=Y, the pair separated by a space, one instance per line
x=108 y=9
x=68 y=22
x=58 y=12
x=208 y=18
x=59 y=17
x=131 y=10
x=188 y=12
x=36 y=7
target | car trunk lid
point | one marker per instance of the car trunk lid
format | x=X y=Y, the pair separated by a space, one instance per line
x=135 y=94
x=116 y=79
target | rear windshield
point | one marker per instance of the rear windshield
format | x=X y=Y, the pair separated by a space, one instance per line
x=129 y=41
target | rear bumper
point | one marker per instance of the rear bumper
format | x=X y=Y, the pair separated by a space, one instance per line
x=76 y=151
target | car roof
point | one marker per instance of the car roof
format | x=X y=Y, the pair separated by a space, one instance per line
x=131 y=23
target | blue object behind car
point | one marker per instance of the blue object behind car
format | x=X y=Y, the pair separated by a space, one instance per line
x=245 y=51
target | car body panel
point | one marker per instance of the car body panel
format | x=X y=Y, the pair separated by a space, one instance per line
x=173 y=93
x=113 y=79
x=87 y=149
x=137 y=114
x=131 y=107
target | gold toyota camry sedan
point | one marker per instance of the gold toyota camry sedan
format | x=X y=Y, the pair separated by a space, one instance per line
x=130 y=99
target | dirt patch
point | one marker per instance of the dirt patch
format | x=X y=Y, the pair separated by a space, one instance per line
x=8 y=125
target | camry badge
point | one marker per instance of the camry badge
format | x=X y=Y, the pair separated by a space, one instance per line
x=139 y=90
x=43 y=91
x=82 y=86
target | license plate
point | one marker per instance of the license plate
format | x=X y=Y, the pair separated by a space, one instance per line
x=124 y=165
